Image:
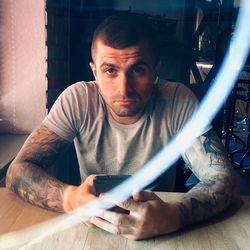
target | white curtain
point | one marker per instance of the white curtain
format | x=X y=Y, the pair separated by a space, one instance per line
x=22 y=65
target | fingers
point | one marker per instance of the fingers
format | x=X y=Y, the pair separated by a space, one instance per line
x=130 y=205
x=114 y=223
x=119 y=210
x=144 y=195
x=118 y=219
x=133 y=205
x=99 y=222
x=90 y=179
x=88 y=184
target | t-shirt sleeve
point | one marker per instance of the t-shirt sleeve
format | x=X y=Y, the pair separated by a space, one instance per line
x=185 y=104
x=64 y=116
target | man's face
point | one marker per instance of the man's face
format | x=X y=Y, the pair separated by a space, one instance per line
x=125 y=78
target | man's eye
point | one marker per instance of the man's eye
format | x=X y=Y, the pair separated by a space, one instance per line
x=139 y=70
x=110 y=71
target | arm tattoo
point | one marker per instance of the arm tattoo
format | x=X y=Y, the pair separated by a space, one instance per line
x=26 y=176
x=217 y=188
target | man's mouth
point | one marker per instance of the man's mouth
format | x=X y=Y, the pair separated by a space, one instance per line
x=125 y=101
x=128 y=100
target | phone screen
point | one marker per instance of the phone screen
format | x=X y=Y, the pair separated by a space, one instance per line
x=104 y=183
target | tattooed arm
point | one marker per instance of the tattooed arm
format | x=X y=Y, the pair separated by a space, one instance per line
x=217 y=188
x=26 y=175
x=27 y=178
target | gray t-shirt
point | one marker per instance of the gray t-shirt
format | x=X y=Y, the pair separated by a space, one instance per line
x=104 y=146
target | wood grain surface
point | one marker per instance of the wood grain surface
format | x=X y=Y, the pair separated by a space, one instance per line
x=231 y=230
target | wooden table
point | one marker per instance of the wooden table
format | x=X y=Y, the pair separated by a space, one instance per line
x=230 y=230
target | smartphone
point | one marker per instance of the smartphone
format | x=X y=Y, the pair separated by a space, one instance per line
x=104 y=183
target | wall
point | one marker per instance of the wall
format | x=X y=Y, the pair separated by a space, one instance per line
x=22 y=65
x=173 y=9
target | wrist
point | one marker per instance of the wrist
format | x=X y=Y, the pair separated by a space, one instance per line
x=67 y=194
x=173 y=218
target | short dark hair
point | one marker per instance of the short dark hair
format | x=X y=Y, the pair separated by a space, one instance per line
x=123 y=30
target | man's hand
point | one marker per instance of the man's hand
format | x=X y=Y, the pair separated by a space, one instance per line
x=149 y=216
x=76 y=196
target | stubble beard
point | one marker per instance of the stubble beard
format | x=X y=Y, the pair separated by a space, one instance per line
x=126 y=112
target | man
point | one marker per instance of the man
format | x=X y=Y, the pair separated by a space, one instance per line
x=118 y=122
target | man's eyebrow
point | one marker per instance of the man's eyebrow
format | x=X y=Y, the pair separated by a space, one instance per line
x=105 y=64
x=140 y=62
x=137 y=63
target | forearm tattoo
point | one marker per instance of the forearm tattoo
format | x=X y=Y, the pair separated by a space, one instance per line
x=217 y=188
x=26 y=176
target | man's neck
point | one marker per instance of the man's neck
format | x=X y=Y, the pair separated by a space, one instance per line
x=126 y=120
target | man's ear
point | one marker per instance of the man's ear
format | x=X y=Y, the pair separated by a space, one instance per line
x=93 y=68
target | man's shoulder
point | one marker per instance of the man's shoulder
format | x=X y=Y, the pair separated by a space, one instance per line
x=81 y=85
x=170 y=88
x=170 y=84
x=81 y=90
x=79 y=94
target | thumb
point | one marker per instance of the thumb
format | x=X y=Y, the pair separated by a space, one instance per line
x=144 y=195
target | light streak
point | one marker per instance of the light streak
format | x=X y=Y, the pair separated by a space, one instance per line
x=215 y=98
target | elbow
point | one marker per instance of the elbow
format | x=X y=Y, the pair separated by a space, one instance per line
x=10 y=175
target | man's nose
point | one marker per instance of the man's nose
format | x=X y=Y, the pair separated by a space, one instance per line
x=124 y=85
